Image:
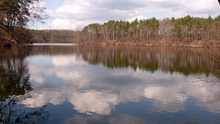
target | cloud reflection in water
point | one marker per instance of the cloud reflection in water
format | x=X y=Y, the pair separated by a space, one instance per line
x=95 y=89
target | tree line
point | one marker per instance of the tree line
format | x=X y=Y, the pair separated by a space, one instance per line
x=52 y=36
x=15 y=15
x=185 y=31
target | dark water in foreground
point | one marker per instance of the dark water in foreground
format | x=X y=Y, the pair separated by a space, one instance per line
x=109 y=85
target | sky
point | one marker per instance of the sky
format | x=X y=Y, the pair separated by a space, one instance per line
x=74 y=14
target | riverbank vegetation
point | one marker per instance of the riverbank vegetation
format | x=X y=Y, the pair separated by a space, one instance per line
x=185 y=31
x=15 y=15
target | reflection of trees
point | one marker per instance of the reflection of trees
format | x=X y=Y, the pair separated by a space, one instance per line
x=13 y=112
x=168 y=59
x=215 y=58
x=212 y=84
x=14 y=88
x=14 y=75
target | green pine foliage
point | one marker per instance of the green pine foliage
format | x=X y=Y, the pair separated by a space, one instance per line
x=185 y=31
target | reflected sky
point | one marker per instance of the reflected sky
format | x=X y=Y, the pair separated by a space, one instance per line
x=78 y=92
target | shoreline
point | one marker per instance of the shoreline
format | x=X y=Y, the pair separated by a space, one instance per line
x=161 y=43
x=152 y=44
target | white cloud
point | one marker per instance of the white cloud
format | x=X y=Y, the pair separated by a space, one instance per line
x=62 y=24
x=73 y=13
x=137 y=17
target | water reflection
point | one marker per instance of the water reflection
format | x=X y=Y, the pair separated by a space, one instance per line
x=14 y=88
x=167 y=59
x=98 y=119
x=96 y=84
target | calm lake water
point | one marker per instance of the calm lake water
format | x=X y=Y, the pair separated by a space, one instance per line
x=88 y=84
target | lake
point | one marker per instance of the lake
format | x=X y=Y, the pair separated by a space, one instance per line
x=89 y=84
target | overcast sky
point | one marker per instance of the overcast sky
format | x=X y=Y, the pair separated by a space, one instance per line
x=70 y=14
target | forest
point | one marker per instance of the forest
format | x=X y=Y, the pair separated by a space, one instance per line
x=185 y=31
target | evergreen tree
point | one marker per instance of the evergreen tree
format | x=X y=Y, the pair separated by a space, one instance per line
x=14 y=17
